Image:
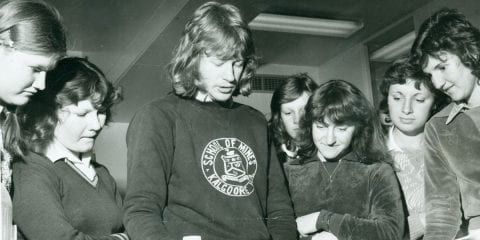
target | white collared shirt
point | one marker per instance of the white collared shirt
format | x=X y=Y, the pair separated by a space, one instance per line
x=391 y=144
x=57 y=151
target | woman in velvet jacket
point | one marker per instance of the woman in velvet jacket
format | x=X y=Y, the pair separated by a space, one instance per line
x=342 y=187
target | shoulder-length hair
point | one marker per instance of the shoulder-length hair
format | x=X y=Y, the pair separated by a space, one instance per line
x=73 y=80
x=216 y=29
x=343 y=103
x=32 y=26
x=403 y=69
x=448 y=30
x=288 y=91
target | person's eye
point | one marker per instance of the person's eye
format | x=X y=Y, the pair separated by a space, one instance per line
x=81 y=114
x=287 y=113
x=238 y=64
x=318 y=125
x=342 y=129
x=396 y=98
x=37 y=69
x=102 y=112
x=217 y=62
x=420 y=100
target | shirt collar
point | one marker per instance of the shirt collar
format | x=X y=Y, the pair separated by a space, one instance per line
x=456 y=109
x=57 y=151
x=391 y=144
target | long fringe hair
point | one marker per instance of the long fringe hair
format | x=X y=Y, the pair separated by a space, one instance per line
x=288 y=91
x=216 y=29
x=343 y=103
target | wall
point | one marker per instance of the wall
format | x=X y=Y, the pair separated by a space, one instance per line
x=261 y=101
x=471 y=9
x=352 y=66
x=111 y=151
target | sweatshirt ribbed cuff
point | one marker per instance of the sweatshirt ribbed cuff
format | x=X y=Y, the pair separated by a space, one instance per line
x=120 y=236
x=323 y=220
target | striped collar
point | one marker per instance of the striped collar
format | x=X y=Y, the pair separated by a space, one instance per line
x=56 y=151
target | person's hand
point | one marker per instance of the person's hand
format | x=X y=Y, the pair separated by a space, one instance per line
x=307 y=224
x=324 y=236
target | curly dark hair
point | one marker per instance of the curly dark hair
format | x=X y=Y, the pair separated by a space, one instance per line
x=343 y=103
x=73 y=80
x=404 y=69
x=448 y=30
x=288 y=91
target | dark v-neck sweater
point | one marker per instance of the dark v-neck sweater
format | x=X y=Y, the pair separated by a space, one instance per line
x=53 y=202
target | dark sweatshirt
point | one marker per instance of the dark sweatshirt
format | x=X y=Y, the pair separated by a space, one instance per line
x=204 y=169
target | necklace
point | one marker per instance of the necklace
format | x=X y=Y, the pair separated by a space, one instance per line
x=330 y=176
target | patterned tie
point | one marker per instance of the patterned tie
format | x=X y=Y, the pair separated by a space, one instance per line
x=5 y=157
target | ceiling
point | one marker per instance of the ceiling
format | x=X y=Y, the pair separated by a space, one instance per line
x=132 y=41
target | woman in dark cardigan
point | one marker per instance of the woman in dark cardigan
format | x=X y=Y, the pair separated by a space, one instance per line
x=342 y=187
x=61 y=192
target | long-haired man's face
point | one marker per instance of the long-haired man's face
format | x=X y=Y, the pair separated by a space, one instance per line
x=451 y=76
x=218 y=78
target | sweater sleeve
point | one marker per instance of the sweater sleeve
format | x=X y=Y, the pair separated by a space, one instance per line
x=150 y=144
x=280 y=221
x=37 y=207
x=119 y=201
x=386 y=218
x=442 y=193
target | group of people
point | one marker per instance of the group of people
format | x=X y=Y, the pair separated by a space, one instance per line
x=202 y=166
x=417 y=180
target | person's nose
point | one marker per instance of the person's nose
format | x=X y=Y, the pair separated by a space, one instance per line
x=437 y=80
x=331 y=138
x=96 y=122
x=407 y=106
x=229 y=71
x=39 y=80
x=296 y=118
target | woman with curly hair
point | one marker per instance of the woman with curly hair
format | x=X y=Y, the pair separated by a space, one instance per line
x=61 y=191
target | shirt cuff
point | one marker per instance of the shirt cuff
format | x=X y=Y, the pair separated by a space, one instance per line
x=474 y=223
x=415 y=226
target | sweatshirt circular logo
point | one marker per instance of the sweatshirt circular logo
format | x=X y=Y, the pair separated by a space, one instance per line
x=229 y=165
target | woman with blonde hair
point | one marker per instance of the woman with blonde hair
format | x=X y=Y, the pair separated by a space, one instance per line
x=32 y=39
